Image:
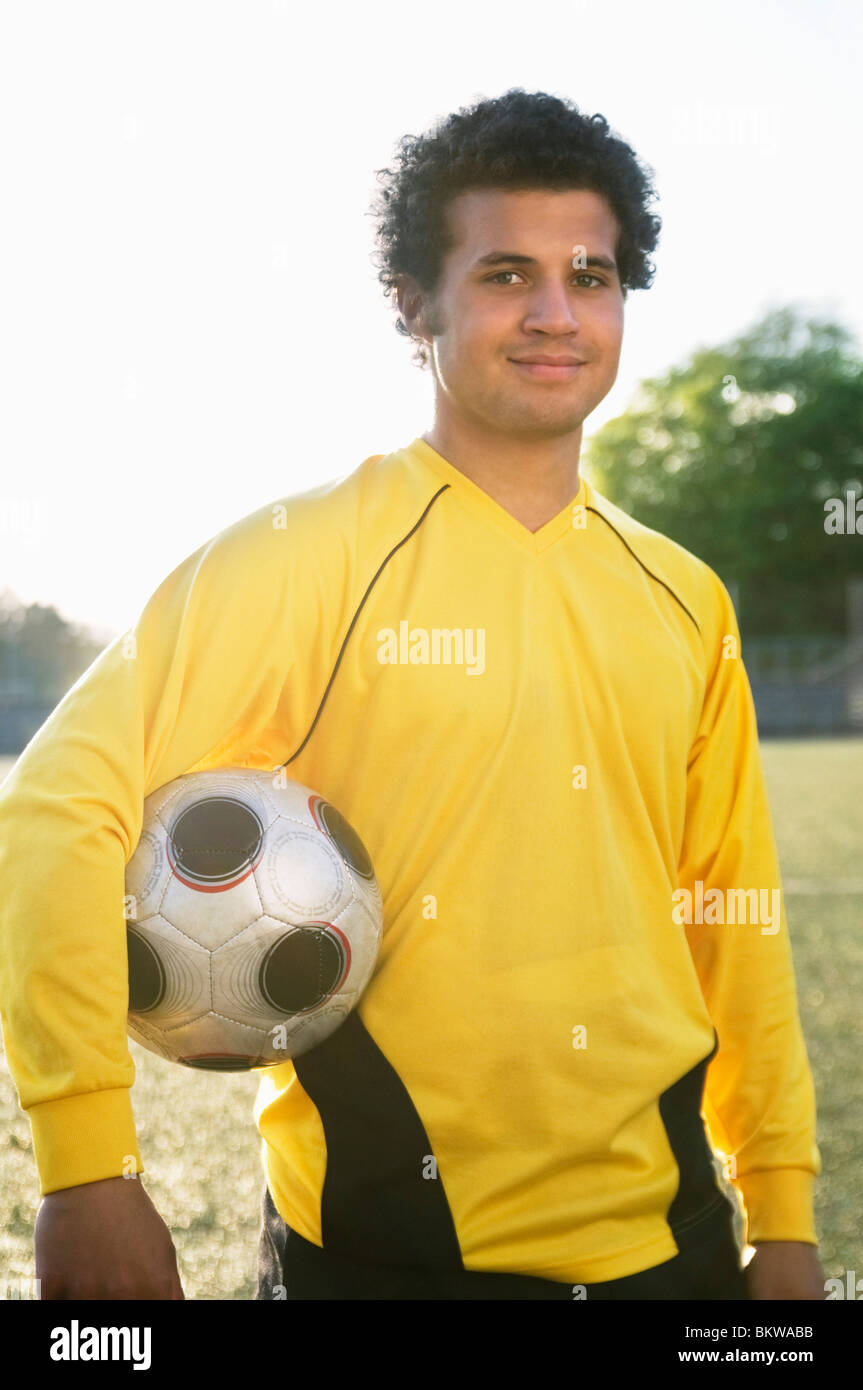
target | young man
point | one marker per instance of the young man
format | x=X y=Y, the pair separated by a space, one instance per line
x=534 y=712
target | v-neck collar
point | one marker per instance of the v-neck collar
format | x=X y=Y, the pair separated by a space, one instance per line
x=485 y=505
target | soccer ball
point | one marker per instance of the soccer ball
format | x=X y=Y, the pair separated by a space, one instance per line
x=253 y=920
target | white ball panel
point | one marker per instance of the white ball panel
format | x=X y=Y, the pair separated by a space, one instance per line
x=300 y=876
x=215 y=1035
x=212 y=918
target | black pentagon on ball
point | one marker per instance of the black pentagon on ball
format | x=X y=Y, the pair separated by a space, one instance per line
x=220 y=1063
x=216 y=838
x=146 y=974
x=301 y=969
x=346 y=839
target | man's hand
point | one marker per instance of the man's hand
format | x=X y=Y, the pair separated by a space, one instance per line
x=104 y=1240
x=787 y=1269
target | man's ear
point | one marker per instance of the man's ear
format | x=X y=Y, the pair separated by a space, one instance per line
x=412 y=306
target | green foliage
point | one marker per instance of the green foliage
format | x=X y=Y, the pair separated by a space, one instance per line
x=734 y=455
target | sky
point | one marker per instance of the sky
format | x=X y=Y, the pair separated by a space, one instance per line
x=191 y=322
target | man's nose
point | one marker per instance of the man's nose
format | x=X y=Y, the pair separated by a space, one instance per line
x=552 y=309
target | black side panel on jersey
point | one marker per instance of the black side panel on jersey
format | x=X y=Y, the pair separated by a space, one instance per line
x=698 y=1192
x=383 y=1199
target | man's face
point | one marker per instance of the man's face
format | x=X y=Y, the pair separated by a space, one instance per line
x=487 y=316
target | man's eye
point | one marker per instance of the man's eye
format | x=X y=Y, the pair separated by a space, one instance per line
x=584 y=275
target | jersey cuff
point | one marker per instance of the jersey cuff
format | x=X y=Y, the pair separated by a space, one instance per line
x=779 y=1204
x=84 y=1138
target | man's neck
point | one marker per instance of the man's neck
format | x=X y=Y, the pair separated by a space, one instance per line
x=533 y=482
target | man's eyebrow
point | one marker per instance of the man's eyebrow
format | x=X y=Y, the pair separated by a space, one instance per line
x=512 y=258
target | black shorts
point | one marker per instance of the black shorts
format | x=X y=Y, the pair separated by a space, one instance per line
x=292 y=1268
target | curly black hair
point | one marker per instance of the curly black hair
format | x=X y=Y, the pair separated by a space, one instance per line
x=521 y=140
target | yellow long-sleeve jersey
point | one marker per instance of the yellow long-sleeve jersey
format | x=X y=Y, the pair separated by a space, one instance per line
x=546 y=741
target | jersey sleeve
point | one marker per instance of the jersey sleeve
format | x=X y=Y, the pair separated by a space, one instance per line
x=759 y=1100
x=194 y=681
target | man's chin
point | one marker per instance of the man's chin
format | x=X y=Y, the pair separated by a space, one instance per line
x=540 y=424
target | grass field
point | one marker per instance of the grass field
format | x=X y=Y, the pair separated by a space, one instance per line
x=201 y=1150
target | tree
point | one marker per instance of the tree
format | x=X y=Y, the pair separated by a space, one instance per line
x=734 y=455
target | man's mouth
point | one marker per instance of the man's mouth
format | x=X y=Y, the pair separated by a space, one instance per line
x=545 y=367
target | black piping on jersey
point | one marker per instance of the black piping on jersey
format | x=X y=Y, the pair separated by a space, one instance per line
x=675 y=596
x=698 y=1192
x=353 y=621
